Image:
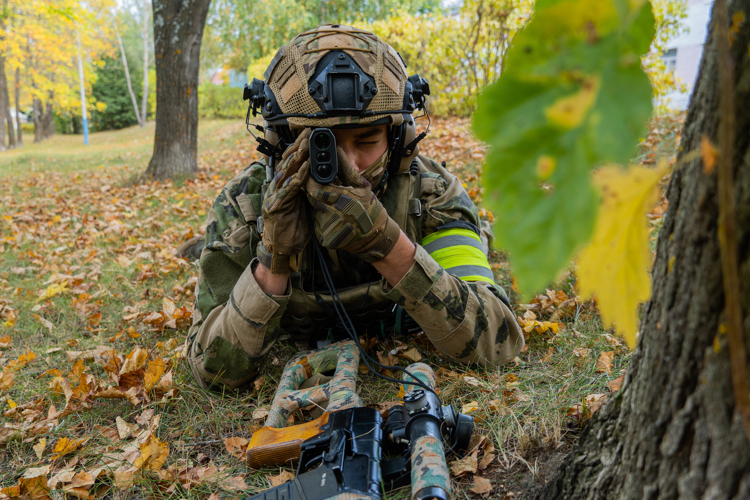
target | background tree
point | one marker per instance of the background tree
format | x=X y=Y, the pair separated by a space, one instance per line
x=677 y=428
x=111 y=90
x=178 y=31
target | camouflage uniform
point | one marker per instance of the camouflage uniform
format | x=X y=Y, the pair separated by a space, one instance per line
x=235 y=323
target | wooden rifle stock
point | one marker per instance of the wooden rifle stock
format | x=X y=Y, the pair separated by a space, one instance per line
x=272 y=446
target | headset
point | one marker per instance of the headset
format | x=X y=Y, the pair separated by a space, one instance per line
x=340 y=88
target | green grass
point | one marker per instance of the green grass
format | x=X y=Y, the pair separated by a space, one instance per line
x=131 y=147
x=59 y=214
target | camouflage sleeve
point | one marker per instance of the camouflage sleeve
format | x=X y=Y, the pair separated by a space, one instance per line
x=234 y=322
x=451 y=276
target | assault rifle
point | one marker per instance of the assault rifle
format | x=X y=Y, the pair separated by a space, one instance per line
x=352 y=453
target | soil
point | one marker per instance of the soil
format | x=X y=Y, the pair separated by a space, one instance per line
x=526 y=482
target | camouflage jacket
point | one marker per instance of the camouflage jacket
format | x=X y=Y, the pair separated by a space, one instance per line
x=448 y=291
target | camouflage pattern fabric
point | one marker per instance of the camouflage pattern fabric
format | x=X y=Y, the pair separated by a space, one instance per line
x=422 y=372
x=284 y=234
x=235 y=323
x=337 y=394
x=351 y=218
x=428 y=466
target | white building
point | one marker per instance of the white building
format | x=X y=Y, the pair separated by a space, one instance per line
x=683 y=54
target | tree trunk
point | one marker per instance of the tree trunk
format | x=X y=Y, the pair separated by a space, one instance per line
x=8 y=117
x=17 y=85
x=178 y=30
x=3 y=106
x=673 y=430
x=144 y=35
x=48 y=120
x=37 y=117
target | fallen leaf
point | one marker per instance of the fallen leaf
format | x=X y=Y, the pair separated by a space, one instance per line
x=6 y=380
x=260 y=413
x=482 y=486
x=614 y=385
x=604 y=363
x=258 y=383
x=411 y=354
x=124 y=429
x=470 y=407
x=45 y=323
x=385 y=407
x=548 y=357
x=153 y=454
x=472 y=381
x=236 y=445
x=281 y=478
x=6 y=342
x=39 y=447
x=486 y=460
x=466 y=465
x=581 y=352
x=33 y=472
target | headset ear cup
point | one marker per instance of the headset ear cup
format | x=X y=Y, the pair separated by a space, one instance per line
x=408 y=134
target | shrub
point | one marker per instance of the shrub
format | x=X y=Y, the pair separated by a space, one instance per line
x=220 y=101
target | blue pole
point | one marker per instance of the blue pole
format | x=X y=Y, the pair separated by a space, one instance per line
x=83 y=93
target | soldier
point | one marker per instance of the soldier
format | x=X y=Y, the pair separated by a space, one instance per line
x=398 y=232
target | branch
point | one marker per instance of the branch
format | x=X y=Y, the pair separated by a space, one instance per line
x=727 y=231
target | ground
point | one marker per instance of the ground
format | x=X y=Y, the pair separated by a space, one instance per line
x=94 y=308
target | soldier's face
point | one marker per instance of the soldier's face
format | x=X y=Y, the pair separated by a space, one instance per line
x=362 y=146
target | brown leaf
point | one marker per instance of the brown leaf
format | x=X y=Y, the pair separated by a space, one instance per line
x=236 y=445
x=581 y=352
x=281 y=478
x=45 y=323
x=470 y=407
x=124 y=429
x=260 y=413
x=412 y=354
x=482 y=486
x=548 y=357
x=604 y=363
x=385 y=407
x=135 y=360
x=486 y=460
x=466 y=465
x=234 y=483
x=614 y=385
x=6 y=342
x=258 y=383
x=6 y=380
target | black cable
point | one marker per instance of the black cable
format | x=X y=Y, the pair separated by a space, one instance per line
x=349 y=325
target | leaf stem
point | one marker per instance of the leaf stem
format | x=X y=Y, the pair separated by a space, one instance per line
x=727 y=230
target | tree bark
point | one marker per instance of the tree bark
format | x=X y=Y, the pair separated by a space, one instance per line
x=8 y=117
x=17 y=85
x=144 y=35
x=37 y=117
x=178 y=30
x=48 y=120
x=673 y=430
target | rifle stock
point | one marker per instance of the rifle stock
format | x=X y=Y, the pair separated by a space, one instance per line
x=272 y=446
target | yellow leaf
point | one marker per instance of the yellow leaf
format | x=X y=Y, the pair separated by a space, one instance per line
x=156 y=369
x=153 y=454
x=569 y=112
x=39 y=447
x=470 y=407
x=52 y=290
x=12 y=404
x=614 y=266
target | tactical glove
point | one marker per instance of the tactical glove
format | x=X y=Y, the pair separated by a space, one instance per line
x=351 y=217
x=285 y=228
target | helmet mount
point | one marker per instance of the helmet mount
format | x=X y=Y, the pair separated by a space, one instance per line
x=337 y=76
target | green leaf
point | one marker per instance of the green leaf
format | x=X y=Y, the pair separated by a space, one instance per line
x=573 y=97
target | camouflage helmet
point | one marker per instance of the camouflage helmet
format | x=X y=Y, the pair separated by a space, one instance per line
x=338 y=76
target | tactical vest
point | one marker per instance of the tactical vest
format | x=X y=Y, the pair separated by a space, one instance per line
x=310 y=314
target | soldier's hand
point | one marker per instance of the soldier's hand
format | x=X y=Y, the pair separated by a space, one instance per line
x=350 y=217
x=285 y=228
